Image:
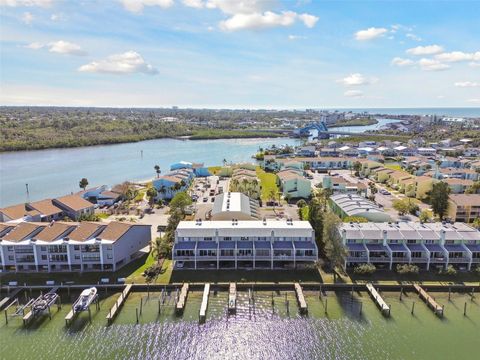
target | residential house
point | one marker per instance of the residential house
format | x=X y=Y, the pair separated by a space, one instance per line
x=74 y=206
x=464 y=207
x=293 y=184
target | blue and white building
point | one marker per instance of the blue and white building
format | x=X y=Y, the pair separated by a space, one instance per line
x=234 y=244
x=425 y=245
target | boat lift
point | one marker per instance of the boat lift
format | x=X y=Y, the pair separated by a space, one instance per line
x=41 y=304
x=83 y=302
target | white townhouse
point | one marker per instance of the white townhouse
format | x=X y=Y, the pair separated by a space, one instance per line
x=67 y=246
x=244 y=244
x=425 y=245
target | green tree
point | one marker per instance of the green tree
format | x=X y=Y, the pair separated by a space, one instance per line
x=357 y=219
x=357 y=167
x=151 y=195
x=335 y=250
x=180 y=202
x=157 y=170
x=474 y=188
x=83 y=183
x=439 y=198
x=315 y=217
x=425 y=216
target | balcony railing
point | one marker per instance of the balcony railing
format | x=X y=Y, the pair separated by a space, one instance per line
x=422 y=259
x=357 y=258
x=459 y=260
x=438 y=260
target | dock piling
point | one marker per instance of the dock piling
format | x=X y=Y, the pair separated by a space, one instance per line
x=465 y=309
x=413 y=307
x=326 y=306
x=141 y=305
x=401 y=293
x=136 y=312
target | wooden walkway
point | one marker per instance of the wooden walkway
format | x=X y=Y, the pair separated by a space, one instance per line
x=118 y=304
x=302 y=304
x=384 y=308
x=204 y=305
x=7 y=299
x=429 y=300
x=182 y=299
x=232 y=298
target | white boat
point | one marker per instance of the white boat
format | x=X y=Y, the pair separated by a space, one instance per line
x=85 y=299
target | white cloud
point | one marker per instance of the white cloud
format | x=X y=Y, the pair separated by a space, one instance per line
x=425 y=50
x=15 y=3
x=413 y=37
x=126 y=63
x=27 y=18
x=432 y=65
x=296 y=37
x=268 y=19
x=34 y=46
x=65 y=47
x=467 y=84
x=456 y=56
x=353 y=93
x=197 y=4
x=476 y=101
x=59 y=47
x=136 y=6
x=474 y=64
x=402 y=62
x=356 y=80
x=370 y=33
x=233 y=7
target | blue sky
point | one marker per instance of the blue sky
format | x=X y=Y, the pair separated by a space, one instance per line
x=240 y=53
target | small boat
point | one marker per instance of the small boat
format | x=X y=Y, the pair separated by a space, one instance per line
x=45 y=301
x=85 y=299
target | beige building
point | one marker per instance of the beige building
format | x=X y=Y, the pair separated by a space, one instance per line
x=463 y=207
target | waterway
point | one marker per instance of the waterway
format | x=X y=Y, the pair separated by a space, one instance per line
x=352 y=328
x=56 y=172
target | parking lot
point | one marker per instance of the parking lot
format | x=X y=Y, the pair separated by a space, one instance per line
x=204 y=191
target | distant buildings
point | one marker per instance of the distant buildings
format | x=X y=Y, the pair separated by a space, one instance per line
x=244 y=244
x=293 y=184
x=170 y=184
x=68 y=246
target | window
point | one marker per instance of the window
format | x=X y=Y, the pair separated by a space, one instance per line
x=77 y=257
x=244 y=238
x=109 y=256
x=44 y=257
x=207 y=238
x=76 y=247
x=10 y=257
x=109 y=247
x=43 y=248
x=227 y=238
x=10 y=248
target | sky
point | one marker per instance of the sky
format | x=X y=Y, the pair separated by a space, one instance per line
x=240 y=53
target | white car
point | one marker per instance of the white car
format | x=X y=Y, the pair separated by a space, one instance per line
x=179 y=264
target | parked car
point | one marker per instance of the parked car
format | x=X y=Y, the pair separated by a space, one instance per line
x=205 y=199
x=384 y=192
x=179 y=264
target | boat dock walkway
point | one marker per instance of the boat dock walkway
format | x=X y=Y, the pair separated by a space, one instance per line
x=10 y=297
x=302 y=304
x=182 y=299
x=232 y=298
x=204 y=305
x=384 y=308
x=118 y=304
x=431 y=302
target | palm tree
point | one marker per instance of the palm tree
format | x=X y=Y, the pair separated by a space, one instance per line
x=83 y=183
x=151 y=194
x=157 y=170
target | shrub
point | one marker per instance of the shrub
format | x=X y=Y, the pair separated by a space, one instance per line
x=478 y=269
x=364 y=269
x=450 y=271
x=407 y=269
x=152 y=272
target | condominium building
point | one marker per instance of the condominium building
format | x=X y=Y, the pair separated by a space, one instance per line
x=425 y=245
x=355 y=205
x=68 y=246
x=244 y=244
x=464 y=207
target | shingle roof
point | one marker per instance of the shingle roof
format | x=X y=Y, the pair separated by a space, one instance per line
x=116 y=229
x=465 y=199
x=74 y=202
x=54 y=231
x=85 y=231
x=45 y=207
x=17 y=211
x=22 y=231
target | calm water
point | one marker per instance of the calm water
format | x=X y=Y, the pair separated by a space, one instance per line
x=343 y=333
x=442 y=111
x=55 y=172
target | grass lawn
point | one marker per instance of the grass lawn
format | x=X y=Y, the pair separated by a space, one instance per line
x=273 y=276
x=393 y=166
x=268 y=181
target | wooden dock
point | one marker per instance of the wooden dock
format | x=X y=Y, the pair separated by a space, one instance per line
x=9 y=298
x=204 y=305
x=118 y=304
x=182 y=300
x=384 y=308
x=429 y=300
x=232 y=298
x=302 y=304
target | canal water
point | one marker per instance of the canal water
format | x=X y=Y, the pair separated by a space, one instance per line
x=351 y=328
x=56 y=172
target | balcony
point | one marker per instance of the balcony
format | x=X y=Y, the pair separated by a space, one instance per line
x=420 y=260
x=459 y=260
x=383 y=258
x=438 y=260
x=25 y=259
x=362 y=259
x=184 y=258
